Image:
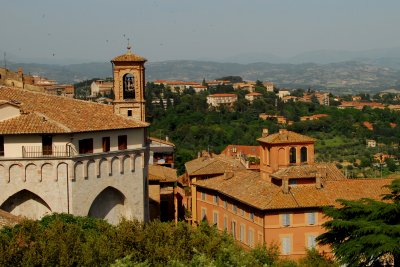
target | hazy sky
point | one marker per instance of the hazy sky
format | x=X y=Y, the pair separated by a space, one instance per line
x=96 y=30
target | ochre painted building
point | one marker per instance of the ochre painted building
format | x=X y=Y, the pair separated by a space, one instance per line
x=283 y=203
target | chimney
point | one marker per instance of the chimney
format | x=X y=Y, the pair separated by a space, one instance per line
x=198 y=154
x=265 y=132
x=228 y=174
x=283 y=131
x=166 y=138
x=285 y=185
x=20 y=72
x=318 y=182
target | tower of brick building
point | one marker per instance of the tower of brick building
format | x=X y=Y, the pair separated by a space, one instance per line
x=129 y=82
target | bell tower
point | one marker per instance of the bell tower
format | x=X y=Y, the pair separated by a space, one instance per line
x=129 y=83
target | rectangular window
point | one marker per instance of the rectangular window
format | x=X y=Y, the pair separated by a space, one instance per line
x=250 y=238
x=203 y=214
x=1 y=146
x=225 y=204
x=86 y=146
x=311 y=242
x=233 y=229
x=106 y=144
x=241 y=233
x=122 y=142
x=286 y=245
x=242 y=212
x=234 y=208
x=215 y=200
x=225 y=223
x=285 y=219
x=203 y=196
x=47 y=145
x=215 y=218
x=311 y=218
x=129 y=112
x=251 y=215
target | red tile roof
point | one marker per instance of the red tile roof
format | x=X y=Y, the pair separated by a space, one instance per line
x=368 y=125
x=165 y=142
x=162 y=174
x=223 y=95
x=130 y=57
x=310 y=170
x=43 y=113
x=284 y=137
x=212 y=165
x=249 y=188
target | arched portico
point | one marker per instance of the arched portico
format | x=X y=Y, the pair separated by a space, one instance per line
x=110 y=204
x=26 y=203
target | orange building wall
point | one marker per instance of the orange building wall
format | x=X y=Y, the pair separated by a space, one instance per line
x=241 y=217
x=276 y=156
x=267 y=226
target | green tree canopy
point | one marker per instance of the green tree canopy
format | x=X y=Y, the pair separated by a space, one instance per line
x=365 y=232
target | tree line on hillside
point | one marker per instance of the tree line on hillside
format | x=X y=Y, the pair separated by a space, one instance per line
x=193 y=126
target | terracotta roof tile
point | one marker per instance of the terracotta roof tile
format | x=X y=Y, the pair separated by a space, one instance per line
x=284 y=136
x=223 y=95
x=310 y=170
x=212 y=165
x=162 y=174
x=129 y=56
x=43 y=113
x=165 y=142
x=249 y=188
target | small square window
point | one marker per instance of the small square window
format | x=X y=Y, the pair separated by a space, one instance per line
x=251 y=215
x=122 y=142
x=215 y=218
x=285 y=219
x=311 y=218
x=203 y=214
x=215 y=199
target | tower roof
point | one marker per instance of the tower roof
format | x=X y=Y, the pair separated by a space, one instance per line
x=129 y=56
x=285 y=137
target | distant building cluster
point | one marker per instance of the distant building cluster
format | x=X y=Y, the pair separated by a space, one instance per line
x=35 y=83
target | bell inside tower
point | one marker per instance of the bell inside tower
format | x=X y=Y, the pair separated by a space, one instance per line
x=128 y=86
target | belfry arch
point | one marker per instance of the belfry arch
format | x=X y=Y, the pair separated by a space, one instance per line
x=26 y=203
x=128 y=82
x=110 y=204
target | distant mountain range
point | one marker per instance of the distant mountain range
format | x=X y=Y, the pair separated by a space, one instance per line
x=372 y=70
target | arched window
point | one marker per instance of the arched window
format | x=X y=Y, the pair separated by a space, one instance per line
x=128 y=86
x=303 y=154
x=292 y=155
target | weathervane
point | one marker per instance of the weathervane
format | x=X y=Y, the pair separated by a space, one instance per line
x=129 y=47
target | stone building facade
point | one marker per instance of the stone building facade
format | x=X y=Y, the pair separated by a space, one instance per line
x=64 y=155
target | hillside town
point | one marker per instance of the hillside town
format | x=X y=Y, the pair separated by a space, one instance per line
x=100 y=158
